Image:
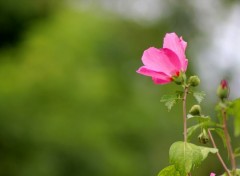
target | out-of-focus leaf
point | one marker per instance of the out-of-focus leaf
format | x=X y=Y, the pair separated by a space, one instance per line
x=199 y=96
x=236 y=173
x=169 y=100
x=220 y=133
x=237 y=152
x=237 y=117
x=234 y=110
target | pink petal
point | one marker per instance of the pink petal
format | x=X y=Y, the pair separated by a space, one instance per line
x=184 y=44
x=161 y=81
x=212 y=174
x=161 y=60
x=148 y=72
x=177 y=45
x=184 y=67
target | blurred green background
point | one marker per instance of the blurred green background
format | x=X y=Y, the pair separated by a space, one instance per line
x=71 y=103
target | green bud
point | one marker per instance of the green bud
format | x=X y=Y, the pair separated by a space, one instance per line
x=223 y=90
x=178 y=80
x=194 y=81
x=203 y=137
x=195 y=110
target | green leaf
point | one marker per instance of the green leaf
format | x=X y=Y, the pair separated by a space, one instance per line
x=169 y=100
x=201 y=118
x=233 y=108
x=179 y=93
x=199 y=96
x=206 y=150
x=170 y=170
x=237 y=152
x=220 y=133
x=187 y=156
x=236 y=109
x=204 y=122
x=192 y=129
x=237 y=173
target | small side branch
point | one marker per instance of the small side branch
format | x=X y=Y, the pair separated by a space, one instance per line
x=218 y=154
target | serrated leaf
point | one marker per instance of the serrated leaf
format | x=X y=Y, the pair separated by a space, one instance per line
x=199 y=96
x=170 y=104
x=165 y=98
x=169 y=100
x=179 y=93
x=187 y=156
x=170 y=170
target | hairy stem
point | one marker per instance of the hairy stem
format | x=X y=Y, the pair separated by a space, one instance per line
x=218 y=154
x=228 y=141
x=185 y=114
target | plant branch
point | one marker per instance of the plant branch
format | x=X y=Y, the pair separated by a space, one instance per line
x=228 y=141
x=218 y=154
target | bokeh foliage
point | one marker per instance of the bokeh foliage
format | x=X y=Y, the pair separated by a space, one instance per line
x=16 y=16
x=71 y=102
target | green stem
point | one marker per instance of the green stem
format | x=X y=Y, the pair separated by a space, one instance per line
x=185 y=117
x=185 y=113
x=228 y=141
x=218 y=154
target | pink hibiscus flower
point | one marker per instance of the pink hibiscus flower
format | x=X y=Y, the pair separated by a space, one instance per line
x=212 y=174
x=165 y=63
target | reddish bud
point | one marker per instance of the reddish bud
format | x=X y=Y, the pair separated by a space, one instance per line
x=224 y=84
x=223 y=90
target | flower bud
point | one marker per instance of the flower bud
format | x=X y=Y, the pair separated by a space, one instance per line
x=203 y=137
x=178 y=79
x=194 y=81
x=195 y=110
x=223 y=90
